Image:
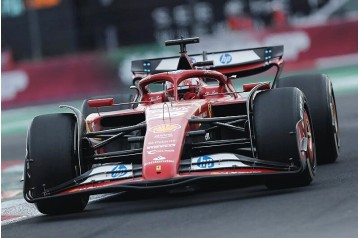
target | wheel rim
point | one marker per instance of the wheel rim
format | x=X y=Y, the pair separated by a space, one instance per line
x=334 y=120
x=310 y=154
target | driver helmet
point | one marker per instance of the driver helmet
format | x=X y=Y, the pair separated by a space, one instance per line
x=187 y=89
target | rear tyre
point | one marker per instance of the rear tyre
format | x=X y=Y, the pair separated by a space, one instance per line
x=51 y=146
x=320 y=97
x=281 y=124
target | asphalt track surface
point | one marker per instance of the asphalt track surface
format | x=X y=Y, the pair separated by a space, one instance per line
x=327 y=208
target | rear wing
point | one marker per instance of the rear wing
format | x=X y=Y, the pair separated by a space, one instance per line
x=234 y=62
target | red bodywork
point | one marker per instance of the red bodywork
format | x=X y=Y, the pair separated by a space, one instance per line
x=168 y=123
x=164 y=122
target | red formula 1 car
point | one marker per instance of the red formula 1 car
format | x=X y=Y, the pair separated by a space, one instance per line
x=188 y=123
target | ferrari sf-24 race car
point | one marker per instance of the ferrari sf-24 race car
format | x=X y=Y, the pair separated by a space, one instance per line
x=187 y=123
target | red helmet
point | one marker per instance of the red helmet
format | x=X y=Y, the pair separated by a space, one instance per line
x=187 y=89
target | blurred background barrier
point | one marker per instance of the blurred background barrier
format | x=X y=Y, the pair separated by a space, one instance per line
x=307 y=47
x=58 y=50
x=55 y=80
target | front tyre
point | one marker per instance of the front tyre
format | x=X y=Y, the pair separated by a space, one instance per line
x=52 y=160
x=321 y=99
x=283 y=133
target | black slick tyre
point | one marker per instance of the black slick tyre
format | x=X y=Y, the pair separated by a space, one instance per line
x=321 y=100
x=51 y=161
x=278 y=115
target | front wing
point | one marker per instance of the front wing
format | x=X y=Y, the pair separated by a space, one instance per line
x=117 y=177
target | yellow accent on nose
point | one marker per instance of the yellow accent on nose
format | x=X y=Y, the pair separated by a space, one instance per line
x=158 y=168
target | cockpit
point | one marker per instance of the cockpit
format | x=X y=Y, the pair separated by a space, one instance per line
x=166 y=91
x=182 y=85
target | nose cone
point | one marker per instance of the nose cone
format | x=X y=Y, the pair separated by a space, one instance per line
x=164 y=139
x=163 y=149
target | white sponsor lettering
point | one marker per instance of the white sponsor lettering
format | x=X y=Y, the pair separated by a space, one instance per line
x=155 y=98
x=163 y=136
x=159 y=158
x=159 y=161
x=161 y=142
x=152 y=152
x=160 y=146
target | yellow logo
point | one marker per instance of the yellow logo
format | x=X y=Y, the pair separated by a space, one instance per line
x=163 y=128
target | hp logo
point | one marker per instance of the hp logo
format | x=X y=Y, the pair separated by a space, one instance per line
x=120 y=171
x=225 y=58
x=205 y=162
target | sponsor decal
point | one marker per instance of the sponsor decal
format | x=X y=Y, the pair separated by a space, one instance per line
x=164 y=136
x=225 y=58
x=159 y=161
x=205 y=162
x=164 y=128
x=160 y=146
x=120 y=171
x=108 y=172
x=155 y=98
x=159 y=158
x=301 y=101
x=152 y=152
x=217 y=161
x=161 y=142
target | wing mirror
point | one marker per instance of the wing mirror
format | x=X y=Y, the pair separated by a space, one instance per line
x=103 y=102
